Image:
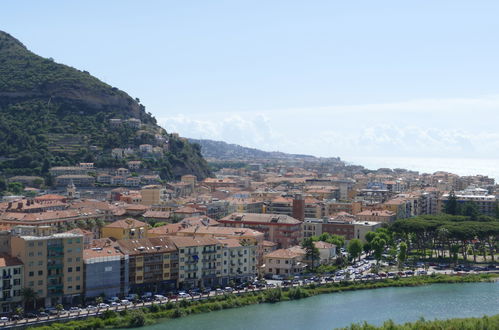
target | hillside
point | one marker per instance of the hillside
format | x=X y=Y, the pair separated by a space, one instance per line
x=224 y=151
x=52 y=114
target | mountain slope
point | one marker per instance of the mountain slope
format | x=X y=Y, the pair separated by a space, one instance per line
x=225 y=151
x=52 y=114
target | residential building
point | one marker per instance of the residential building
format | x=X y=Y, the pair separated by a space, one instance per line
x=153 y=264
x=125 y=229
x=281 y=229
x=12 y=271
x=53 y=265
x=106 y=269
x=284 y=262
x=200 y=261
x=238 y=261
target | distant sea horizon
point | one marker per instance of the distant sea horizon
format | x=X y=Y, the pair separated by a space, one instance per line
x=459 y=166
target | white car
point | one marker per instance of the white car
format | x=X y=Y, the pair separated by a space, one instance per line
x=184 y=295
x=114 y=304
x=125 y=302
x=4 y=319
x=159 y=297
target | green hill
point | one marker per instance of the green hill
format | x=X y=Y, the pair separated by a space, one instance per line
x=52 y=114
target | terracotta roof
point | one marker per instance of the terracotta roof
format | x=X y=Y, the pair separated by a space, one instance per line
x=283 y=253
x=7 y=260
x=169 y=229
x=180 y=241
x=126 y=223
x=50 y=197
x=230 y=242
x=261 y=218
x=157 y=214
x=222 y=231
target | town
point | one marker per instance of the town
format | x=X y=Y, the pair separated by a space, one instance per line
x=81 y=242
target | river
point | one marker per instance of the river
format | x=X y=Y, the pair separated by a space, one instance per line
x=328 y=311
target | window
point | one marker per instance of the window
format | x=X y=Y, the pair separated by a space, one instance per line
x=77 y=259
x=31 y=254
x=31 y=274
x=31 y=244
x=70 y=269
x=70 y=250
x=70 y=241
x=77 y=278
x=70 y=259
x=31 y=283
x=39 y=253
x=77 y=287
x=40 y=272
x=40 y=243
x=17 y=271
x=17 y=281
x=40 y=263
x=70 y=287
x=40 y=282
x=78 y=268
x=78 y=240
x=70 y=279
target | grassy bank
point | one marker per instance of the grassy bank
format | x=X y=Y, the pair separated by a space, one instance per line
x=151 y=315
x=486 y=322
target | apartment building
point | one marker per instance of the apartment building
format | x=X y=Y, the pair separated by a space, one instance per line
x=106 y=269
x=245 y=236
x=281 y=229
x=153 y=264
x=485 y=202
x=284 y=262
x=53 y=265
x=200 y=261
x=238 y=261
x=125 y=229
x=11 y=270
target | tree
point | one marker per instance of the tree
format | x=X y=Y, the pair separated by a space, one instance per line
x=367 y=247
x=19 y=310
x=59 y=308
x=81 y=224
x=451 y=206
x=378 y=245
x=355 y=248
x=402 y=255
x=29 y=296
x=311 y=252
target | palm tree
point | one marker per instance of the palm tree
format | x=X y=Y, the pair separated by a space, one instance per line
x=29 y=296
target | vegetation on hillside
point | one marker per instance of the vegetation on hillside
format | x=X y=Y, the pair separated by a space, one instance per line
x=52 y=114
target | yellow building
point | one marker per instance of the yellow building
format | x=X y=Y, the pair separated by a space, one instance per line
x=154 y=195
x=53 y=266
x=125 y=229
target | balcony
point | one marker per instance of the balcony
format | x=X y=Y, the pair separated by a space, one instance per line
x=54 y=266
x=7 y=276
x=56 y=248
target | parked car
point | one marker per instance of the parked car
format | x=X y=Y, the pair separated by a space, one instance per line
x=103 y=305
x=125 y=302
x=4 y=319
x=183 y=294
x=228 y=289
x=159 y=297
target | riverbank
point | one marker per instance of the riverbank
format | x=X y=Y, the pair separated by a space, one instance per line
x=486 y=322
x=170 y=310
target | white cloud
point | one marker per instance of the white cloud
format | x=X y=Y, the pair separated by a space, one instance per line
x=423 y=128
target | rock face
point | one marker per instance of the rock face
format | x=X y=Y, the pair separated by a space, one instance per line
x=53 y=113
x=24 y=74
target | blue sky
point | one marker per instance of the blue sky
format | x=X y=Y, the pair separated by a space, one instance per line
x=329 y=78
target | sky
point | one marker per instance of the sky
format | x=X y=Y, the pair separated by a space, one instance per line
x=353 y=79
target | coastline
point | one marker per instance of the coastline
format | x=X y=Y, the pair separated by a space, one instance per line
x=156 y=313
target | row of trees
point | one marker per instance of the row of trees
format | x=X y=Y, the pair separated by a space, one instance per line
x=450 y=235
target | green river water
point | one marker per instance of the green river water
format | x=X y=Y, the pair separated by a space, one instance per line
x=328 y=311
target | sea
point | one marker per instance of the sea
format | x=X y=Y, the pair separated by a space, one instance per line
x=459 y=166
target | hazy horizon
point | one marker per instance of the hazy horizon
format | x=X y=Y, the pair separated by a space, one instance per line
x=326 y=78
